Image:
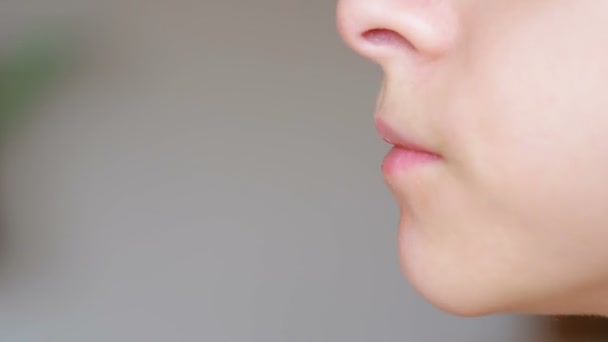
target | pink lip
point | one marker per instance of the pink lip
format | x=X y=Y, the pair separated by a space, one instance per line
x=388 y=134
x=405 y=154
x=401 y=159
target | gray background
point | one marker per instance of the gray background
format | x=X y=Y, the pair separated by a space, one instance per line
x=208 y=172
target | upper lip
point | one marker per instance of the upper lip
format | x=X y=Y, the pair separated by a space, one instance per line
x=389 y=134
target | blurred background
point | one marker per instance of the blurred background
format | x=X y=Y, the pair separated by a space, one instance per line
x=203 y=171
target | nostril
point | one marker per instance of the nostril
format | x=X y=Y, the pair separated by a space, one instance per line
x=385 y=37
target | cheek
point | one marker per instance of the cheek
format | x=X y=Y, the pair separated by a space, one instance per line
x=524 y=189
x=532 y=123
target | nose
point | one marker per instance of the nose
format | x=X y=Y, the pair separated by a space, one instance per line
x=385 y=30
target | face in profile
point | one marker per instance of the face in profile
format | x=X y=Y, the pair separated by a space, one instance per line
x=498 y=113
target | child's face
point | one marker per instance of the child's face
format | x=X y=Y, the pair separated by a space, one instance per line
x=513 y=95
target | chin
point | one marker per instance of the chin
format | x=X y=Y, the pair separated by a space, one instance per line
x=452 y=283
x=456 y=290
x=449 y=299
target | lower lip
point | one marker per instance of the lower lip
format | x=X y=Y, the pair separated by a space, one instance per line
x=400 y=160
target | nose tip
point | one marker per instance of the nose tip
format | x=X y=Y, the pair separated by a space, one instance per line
x=382 y=29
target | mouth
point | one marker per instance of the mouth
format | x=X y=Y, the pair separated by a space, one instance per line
x=406 y=154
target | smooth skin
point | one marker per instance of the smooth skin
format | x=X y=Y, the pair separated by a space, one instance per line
x=513 y=94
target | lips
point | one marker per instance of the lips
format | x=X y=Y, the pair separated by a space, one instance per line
x=406 y=154
x=391 y=136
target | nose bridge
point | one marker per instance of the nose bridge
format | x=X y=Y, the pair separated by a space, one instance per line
x=382 y=29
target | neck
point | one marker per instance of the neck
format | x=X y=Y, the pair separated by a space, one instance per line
x=591 y=302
